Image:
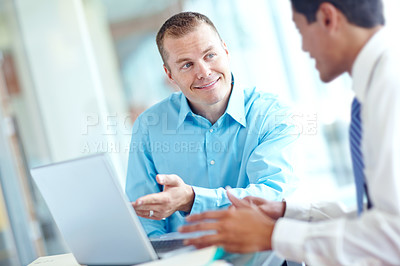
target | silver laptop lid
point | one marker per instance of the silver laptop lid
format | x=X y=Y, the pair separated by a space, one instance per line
x=92 y=212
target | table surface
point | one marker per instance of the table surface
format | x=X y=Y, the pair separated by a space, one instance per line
x=203 y=257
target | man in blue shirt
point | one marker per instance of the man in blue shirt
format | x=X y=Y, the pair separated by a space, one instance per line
x=186 y=149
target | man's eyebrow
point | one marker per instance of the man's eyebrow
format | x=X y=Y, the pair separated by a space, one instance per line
x=209 y=48
x=181 y=60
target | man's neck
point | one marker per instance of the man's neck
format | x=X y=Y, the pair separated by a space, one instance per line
x=358 y=38
x=212 y=112
x=211 y=115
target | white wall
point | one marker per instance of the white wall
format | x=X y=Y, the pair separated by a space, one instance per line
x=77 y=97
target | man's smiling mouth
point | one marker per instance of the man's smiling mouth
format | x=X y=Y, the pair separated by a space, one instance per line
x=207 y=85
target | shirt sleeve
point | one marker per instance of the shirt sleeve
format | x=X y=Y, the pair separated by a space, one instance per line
x=372 y=239
x=268 y=168
x=319 y=211
x=141 y=174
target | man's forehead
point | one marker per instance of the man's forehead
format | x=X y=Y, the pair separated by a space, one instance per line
x=200 y=41
x=187 y=56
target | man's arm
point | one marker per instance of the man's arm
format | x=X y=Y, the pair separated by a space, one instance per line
x=268 y=169
x=373 y=239
x=309 y=212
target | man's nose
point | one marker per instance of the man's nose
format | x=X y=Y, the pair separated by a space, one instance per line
x=203 y=70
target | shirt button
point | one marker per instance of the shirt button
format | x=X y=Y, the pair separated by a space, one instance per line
x=212 y=162
x=211 y=130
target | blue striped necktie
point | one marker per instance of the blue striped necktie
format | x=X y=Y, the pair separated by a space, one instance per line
x=357 y=156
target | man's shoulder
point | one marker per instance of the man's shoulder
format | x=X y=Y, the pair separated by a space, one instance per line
x=260 y=101
x=390 y=63
x=156 y=115
x=386 y=79
x=266 y=111
x=168 y=105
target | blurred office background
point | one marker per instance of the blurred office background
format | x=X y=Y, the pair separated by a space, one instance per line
x=74 y=75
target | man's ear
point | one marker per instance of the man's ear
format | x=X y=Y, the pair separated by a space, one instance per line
x=169 y=75
x=328 y=16
x=225 y=48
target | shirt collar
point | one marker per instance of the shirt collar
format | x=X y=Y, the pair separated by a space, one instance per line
x=235 y=108
x=184 y=111
x=365 y=62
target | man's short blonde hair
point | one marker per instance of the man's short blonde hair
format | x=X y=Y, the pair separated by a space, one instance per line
x=178 y=26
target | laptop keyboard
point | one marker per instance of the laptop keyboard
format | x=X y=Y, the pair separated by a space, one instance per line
x=162 y=246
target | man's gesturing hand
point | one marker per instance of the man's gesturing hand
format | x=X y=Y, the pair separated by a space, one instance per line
x=177 y=196
x=240 y=230
x=273 y=209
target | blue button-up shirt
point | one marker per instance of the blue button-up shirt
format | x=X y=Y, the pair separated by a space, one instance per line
x=248 y=148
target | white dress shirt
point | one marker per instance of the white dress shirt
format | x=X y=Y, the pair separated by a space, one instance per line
x=336 y=236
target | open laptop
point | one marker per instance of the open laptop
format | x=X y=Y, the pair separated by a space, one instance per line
x=94 y=215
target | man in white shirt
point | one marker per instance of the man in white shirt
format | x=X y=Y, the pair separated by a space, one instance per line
x=342 y=36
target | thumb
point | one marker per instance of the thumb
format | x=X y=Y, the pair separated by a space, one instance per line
x=238 y=203
x=169 y=180
x=255 y=200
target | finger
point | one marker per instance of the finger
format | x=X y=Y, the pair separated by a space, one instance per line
x=236 y=202
x=169 y=180
x=198 y=246
x=155 y=198
x=148 y=207
x=255 y=200
x=199 y=227
x=158 y=209
x=205 y=241
x=231 y=207
x=274 y=210
x=207 y=215
x=146 y=214
x=239 y=248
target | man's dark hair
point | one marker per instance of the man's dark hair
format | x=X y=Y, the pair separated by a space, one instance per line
x=362 y=13
x=178 y=26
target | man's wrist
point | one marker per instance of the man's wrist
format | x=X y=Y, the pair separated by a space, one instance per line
x=187 y=207
x=269 y=227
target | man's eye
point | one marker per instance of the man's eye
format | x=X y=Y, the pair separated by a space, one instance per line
x=187 y=65
x=211 y=55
